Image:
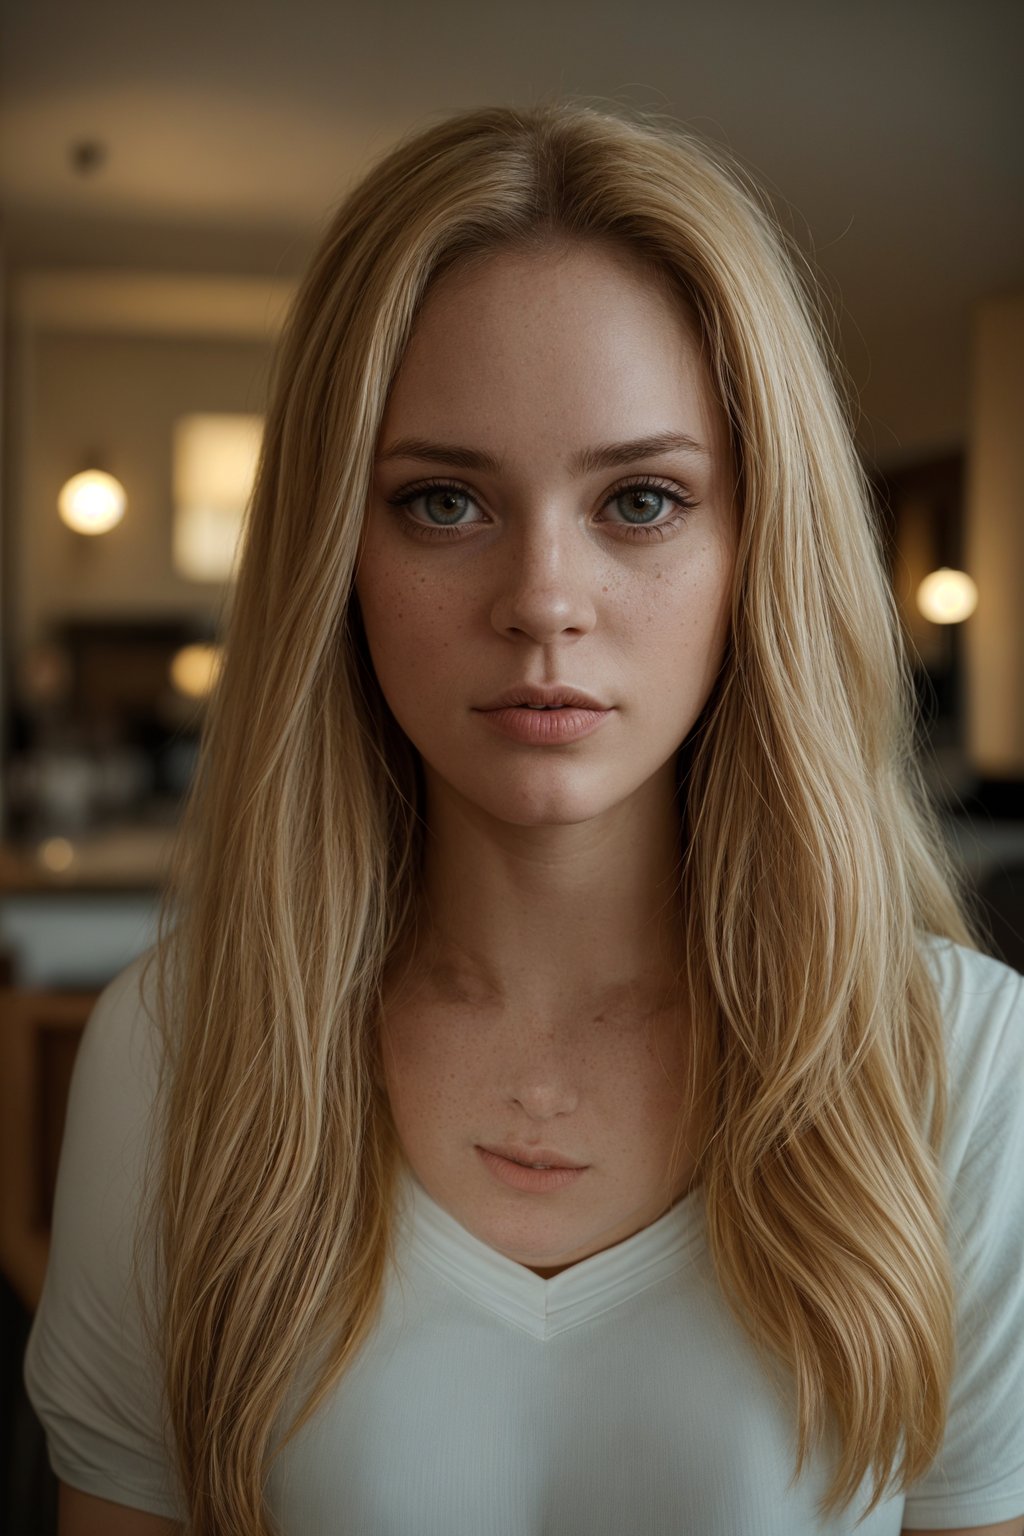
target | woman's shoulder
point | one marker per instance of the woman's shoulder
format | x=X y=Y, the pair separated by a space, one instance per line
x=982 y=1004
x=979 y=1465
x=981 y=999
x=124 y=1013
x=88 y=1370
x=116 y=1070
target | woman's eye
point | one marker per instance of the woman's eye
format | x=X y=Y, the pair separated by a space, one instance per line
x=642 y=505
x=446 y=502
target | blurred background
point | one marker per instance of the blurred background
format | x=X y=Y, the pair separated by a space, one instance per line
x=165 y=173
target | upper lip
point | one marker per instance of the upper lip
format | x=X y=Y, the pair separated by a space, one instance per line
x=552 y=693
x=535 y=1155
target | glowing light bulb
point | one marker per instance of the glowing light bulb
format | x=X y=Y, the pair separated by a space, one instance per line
x=92 y=502
x=56 y=854
x=194 y=670
x=947 y=596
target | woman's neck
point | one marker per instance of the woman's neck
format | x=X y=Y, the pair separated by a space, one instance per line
x=542 y=918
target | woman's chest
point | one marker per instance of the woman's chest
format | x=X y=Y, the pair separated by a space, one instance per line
x=652 y=1416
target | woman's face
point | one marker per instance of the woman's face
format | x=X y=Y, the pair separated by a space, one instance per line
x=547 y=558
x=530 y=566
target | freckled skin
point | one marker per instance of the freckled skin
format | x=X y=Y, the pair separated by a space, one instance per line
x=541 y=1002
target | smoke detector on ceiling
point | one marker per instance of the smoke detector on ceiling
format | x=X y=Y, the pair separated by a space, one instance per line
x=87 y=156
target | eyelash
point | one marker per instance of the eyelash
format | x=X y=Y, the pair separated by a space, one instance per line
x=633 y=531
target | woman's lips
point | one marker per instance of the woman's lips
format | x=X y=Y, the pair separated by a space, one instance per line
x=529 y=1180
x=541 y=727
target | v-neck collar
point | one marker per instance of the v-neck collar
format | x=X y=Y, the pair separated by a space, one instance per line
x=584 y=1290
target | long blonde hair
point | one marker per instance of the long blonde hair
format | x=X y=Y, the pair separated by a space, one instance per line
x=814 y=862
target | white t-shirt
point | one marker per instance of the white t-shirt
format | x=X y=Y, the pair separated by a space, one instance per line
x=617 y=1397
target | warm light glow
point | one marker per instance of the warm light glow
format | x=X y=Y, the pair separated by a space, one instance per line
x=92 y=502
x=215 y=461
x=947 y=597
x=56 y=854
x=194 y=670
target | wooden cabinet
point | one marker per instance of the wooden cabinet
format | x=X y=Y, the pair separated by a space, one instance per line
x=39 y=1035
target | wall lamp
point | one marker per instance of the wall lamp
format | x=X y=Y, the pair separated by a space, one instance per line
x=92 y=502
x=947 y=596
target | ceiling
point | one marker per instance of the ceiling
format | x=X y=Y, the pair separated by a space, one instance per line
x=889 y=136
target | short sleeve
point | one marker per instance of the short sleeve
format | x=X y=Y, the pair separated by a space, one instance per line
x=86 y=1369
x=978 y=1476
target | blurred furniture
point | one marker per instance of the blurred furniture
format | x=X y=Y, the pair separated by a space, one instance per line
x=67 y=926
x=104 y=723
x=1002 y=893
x=75 y=911
x=129 y=856
x=39 y=1035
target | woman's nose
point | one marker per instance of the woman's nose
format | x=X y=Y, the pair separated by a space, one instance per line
x=545 y=583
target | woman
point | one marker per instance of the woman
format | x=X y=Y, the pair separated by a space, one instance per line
x=557 y=805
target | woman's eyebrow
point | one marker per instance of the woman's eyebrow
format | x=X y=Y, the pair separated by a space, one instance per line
x=605 y=456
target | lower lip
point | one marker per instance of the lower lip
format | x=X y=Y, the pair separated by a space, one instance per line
x=535 y=1180
x=540 y=726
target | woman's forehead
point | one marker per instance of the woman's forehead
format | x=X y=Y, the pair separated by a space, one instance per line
x=587 y=258
x=570 y=345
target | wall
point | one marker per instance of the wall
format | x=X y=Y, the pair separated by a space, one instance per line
x=100 y=364
x=113 y=401
x=995 y=542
